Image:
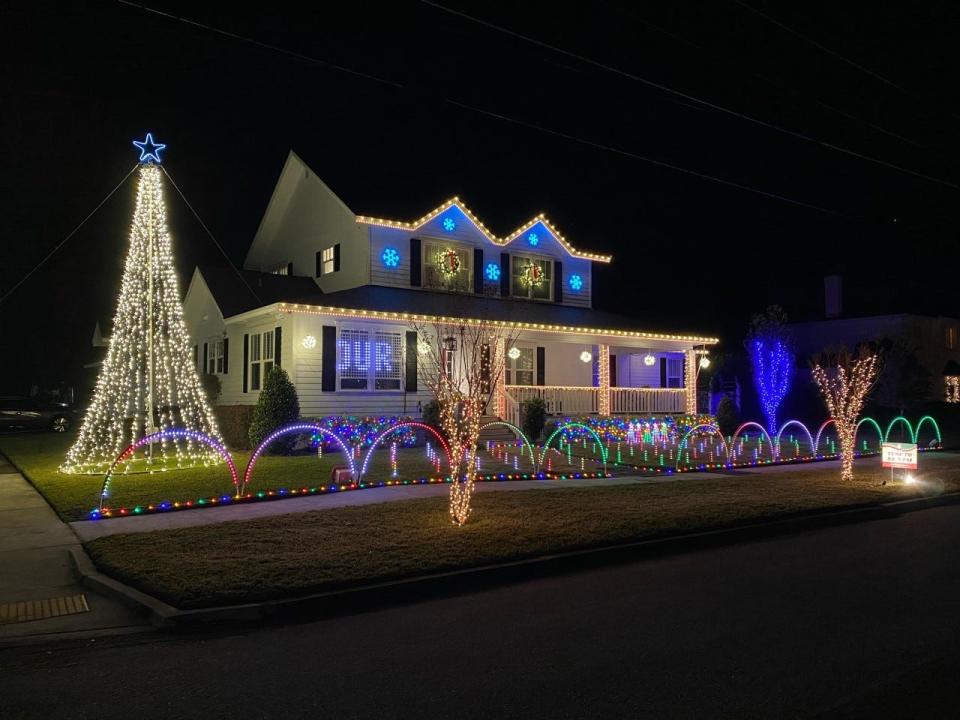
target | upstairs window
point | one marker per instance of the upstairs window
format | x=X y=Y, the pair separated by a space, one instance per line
x=531 y=277
x=447 y=266
x=951 y=338
x=215 y=358
x=282 y=269
x=328 y=260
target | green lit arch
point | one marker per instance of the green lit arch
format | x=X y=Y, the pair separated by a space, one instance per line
x=522 y=435
x=703 y=426
x=560 y=428
x=875 y=424
x=911 y=435
x=929 y=419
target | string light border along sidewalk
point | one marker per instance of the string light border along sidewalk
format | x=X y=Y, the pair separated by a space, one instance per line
x=455 y=202
x=355 y=313
x=106 y=513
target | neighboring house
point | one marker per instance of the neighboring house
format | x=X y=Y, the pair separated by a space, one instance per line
x=330 y=296
x=932 y=340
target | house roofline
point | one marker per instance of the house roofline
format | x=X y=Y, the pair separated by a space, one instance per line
x=456 y=202
x=539 y=327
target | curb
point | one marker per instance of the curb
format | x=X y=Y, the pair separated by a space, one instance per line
x=378 y=595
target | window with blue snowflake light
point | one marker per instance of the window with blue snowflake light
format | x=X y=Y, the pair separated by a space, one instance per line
x=576 y=282
x=390 y=257
x=492 y=272
x=533 y=239
x=449 y=224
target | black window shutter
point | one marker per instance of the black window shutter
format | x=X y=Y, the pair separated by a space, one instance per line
x=505 y=274
x=246 y=359
x=289 y=268
x=277 y=344
x=205 y=366
x=226 y=355
x=663 y=372
x=410 y=383
x=416 y=279
x=328 y=365
x=541 y=365
x=485 y=369
x=478 y=270
x=319 y=263
x=196 y=357
x=557 y=281
x=613 y=371
x=336 y=257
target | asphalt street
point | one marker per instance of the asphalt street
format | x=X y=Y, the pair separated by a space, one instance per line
x=857 y=621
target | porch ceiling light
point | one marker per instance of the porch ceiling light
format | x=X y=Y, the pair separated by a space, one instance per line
x=649 y=359
x=585 y=356
x=513 y=353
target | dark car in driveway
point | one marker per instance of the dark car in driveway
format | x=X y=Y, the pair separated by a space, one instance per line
x=23 y=413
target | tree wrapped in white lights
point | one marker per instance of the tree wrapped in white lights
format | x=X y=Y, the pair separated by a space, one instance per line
x=844 y=382
x=149 y=380
x=462 y=362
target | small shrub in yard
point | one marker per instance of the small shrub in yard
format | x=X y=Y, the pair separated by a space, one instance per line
x=211 y=387
x=278 y=405
x=431 y=413
x=727 y=416
x=234 y=423
x=534 y=418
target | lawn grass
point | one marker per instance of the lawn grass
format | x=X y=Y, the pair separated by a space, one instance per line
x=288 y=555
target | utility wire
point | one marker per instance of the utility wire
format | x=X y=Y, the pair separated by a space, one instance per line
x=210 y=234
x=64 y=241
x=489 y=113
x=692 y=98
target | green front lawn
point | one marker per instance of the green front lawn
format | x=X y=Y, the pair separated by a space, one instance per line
x=288 y=555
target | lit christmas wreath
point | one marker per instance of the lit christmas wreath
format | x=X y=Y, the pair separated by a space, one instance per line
x=448 y=261
x=533 y=274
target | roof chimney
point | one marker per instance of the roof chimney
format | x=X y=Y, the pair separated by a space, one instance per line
x=832 y=296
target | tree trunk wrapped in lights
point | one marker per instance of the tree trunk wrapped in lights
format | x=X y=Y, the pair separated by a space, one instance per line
x=149 y=380
x=461 y=362
x=844 y=382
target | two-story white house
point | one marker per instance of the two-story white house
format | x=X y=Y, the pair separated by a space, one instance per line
x=330 y=295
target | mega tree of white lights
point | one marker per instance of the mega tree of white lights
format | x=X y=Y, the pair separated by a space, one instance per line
x=844 y=382
x=149 y=380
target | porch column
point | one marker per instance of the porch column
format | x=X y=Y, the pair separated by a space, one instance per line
x=690 y=380
x=499 y=364
x=603 y=377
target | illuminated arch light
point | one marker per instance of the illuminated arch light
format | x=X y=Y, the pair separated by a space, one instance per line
x=911 y=435
x=575 y=282
x=492 y=272
x=761 y=428
x=522 y=435
x=875 y=424
x=703 y=426
x=171 y=434
x=561 y=428
x=787 y=424
x=409 y=423
x=286 y=430
x=929 y=419
x=390 y=257
x=816 y=442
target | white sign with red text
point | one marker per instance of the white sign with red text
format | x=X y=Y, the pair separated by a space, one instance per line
x=899 y=455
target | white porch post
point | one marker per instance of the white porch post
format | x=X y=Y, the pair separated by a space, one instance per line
x=603 y=375
x=690 y=380
x=499 y=360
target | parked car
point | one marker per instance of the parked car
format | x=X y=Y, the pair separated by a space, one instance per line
x=22 y=413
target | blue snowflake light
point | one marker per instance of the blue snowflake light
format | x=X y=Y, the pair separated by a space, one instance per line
x=576 y=282
x=390 y=257
x=492 y=272
x=533 y=239
x=449 y=224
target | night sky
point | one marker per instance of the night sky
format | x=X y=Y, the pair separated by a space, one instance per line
x=404 y=105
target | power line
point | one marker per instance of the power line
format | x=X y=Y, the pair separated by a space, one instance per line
x=64 y=241
x=691 y=98
x=210 y=234
x=492 y=114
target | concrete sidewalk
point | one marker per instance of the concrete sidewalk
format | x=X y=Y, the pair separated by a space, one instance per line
x=35 y=564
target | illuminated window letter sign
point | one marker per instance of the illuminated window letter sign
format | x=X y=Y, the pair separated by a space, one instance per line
x=899 y=455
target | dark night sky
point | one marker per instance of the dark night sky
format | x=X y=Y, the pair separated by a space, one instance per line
x=80 y=81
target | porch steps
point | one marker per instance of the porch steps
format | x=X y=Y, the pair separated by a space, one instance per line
x=497 y=433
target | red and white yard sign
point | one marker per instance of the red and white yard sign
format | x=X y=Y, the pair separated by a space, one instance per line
x=899 y=455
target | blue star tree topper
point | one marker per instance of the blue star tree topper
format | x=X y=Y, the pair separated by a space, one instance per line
x=149 y=150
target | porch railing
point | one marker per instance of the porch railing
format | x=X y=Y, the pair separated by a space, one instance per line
x=565 y=400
